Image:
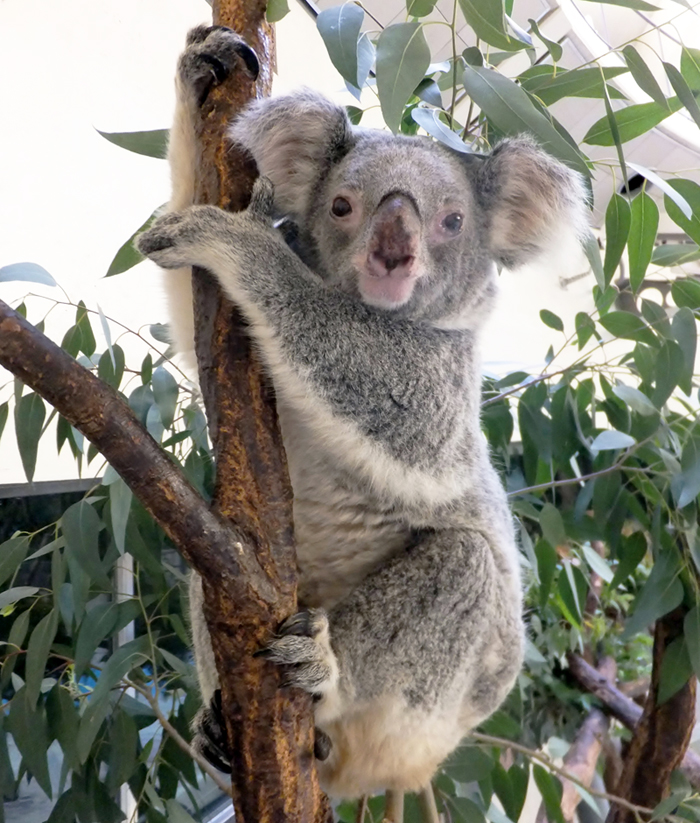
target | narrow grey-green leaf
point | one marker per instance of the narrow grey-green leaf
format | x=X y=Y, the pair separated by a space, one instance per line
x=597 y=563
x=110 y=367
x=676 y=254
x=684 y=330
x=4 y=412
x=30 y=413
x=636 y=400
x=662 y=592
x=10 y=596
x=165 y=391
x=550 y=85
x=429 y=119
x=128 y=255
x=403 y=58
x=690 y=190
x=682 y=89
x=690 y=68
x=81 y=527
x=26 y=272
x=686 y=292
x=176 y=814
x=38 y=653
x=552 y=320
x=640 y=245
x=97 y=625
x=12 y=553
x=592 y=251
x=120 y=497
x=631 y=122
x=686 y=486
x=276 y=10
x=676 y=669
x=665 y=187
x=488 y=21
x=668 y=372
x=639 y=5
x=643 y=75
x=554 y=48
x=628 y=326
x=510 y=109
x=150 y=143
x=63 y=720
x=611 y=439
x=551 y=791
x=420 y=8
x=552 y=525
x=617 y=227
x=691 y=631
x=30 y=732
x=107 y=333
x=339 y=27
x=631 y=553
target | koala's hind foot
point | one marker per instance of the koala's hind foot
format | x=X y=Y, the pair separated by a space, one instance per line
x=210 y=738
x=210 y=56
x=302 y=647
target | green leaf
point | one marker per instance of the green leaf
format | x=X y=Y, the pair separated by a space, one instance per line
x=176 y=814
x=165 y=391
x=686 y=292
x=676 y=670
x=610 y=439
x=643 y=75
x=429 y=119
x=597 y=563
x=682 y=89
x=30 y=732
x=10 y=596
x=643 y=227
x=420 y=8
x=547 y=560
x=120 y=497
x=552 y=525
x=128 y=256
x=592 y=252
x=686 y=485
x=631 y=553
x=617 y=226
x=511 y=788
x=12 y=553
x=690 y=190
x=690 y=67
x=150 y=143
x=30 y=413
x=551 y=791
x=684 y=331
x=38 y=653
x=339 y=27
x=87 y=338
x=661 y=594
x=676 y=254
x=276 y=10
x=464 y=810
x=691 y=631
x=97 y=625
x=111 y=366
x=26 y=272
x=403 y=58
x=4 y=411
x=487 y=20
x=63 y=721
x=668 y=371
x=81 y=527
x=18 y=632
x=631 y=122
x=468 y=764
x=550 y=85
x=628 y=326
x=639 y=5
x=665 y=187
x=552 y=320
x=635 y=399
x=118 y=666
x=585 y=328
x=123 y=749
x=510 y=109
x=554 y=48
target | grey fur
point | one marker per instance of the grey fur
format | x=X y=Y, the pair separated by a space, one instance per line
x=404 y=536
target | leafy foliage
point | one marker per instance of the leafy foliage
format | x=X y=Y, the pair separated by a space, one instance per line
x=599 y=451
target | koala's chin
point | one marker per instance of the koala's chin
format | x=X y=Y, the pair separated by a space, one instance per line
x=387 y=291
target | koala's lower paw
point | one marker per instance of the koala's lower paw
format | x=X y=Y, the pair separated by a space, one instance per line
x=210 y=738
x=303 y=649
x=210 y=56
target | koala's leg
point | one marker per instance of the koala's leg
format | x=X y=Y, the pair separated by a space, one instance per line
x=211 y=54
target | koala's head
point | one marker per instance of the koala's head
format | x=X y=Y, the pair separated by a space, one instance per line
x=406 y=224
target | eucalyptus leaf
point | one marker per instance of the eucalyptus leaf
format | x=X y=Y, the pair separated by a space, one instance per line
x=26 y=272
x=420 y=8
x=552 y=320
x=643 y=75
x=551 y=791
x=120 y=497
x=617 y=226
x=628 y=326
x=551 y=84
x=638 y=5
x=640 y=244
x=81 y=527
x=661 y=594
x=683 y=90
x=554 y=48
x=10 y=596
x=676 y=669
x=38 y=653
x=149 y=143
x=429 y=120
x=690 y=190
x=676 y=254
x=276 y=10
x=665 y=187
x=403 y=58
x=12 y=553
x=97 y=625
x=339 y=26
x=632 y=121
x=128 y=255
x=487 y=20
x=29 y=730
x=684 y=330
x=636 y=400
x=686 y=486
x=30 y=413
x=610 y=439
x=165 y=392
x=690 y=68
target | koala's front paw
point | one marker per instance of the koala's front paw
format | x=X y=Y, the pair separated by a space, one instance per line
x=210 y=57
x=210 y=738
x=182 y=238
x=303 y=648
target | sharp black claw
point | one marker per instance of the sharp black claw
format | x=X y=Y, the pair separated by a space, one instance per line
x=250 y=58
x=322 y=745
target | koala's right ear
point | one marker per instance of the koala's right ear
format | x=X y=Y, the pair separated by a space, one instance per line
x=293 y=139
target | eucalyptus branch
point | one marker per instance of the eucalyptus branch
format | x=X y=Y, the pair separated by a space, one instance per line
x=546 y=761
x=179 y=739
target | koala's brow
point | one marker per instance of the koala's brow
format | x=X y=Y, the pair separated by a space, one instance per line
x=401 y=193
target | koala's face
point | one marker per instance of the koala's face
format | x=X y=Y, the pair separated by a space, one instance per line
x=396 y=223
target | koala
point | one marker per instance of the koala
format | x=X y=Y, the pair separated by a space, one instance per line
x=410 y=630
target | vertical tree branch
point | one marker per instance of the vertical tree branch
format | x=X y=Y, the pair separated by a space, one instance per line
x=271 y=730
x=662 y=735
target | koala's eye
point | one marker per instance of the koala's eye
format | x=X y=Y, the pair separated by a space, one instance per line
x=341 y=207
x=453 y=222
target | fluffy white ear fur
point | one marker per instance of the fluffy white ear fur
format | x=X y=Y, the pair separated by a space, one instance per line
x=532 y=200
x=292 y=139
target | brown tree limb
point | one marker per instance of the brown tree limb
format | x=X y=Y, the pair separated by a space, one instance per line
x=623 y=708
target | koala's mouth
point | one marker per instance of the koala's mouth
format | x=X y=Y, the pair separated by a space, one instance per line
x=388 y=287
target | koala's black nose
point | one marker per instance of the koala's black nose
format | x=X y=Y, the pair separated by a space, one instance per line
x=395 y=237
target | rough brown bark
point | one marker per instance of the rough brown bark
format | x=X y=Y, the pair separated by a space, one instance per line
x=623 y=708
x=271 y=730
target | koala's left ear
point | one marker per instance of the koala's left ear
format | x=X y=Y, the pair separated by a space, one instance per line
x=530 y=200
x=294 y=139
